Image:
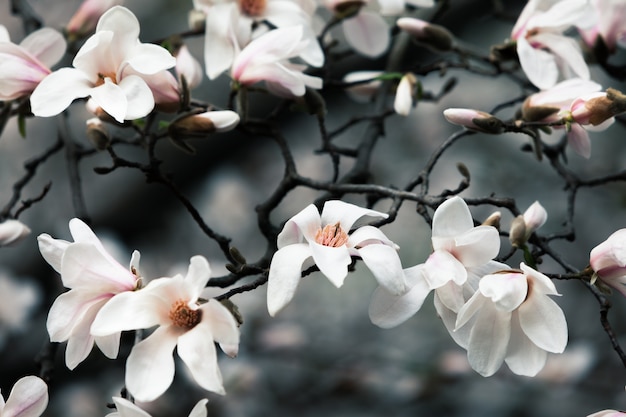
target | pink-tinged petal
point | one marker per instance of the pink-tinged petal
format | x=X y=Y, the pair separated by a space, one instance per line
x=303 y=225
x=149 y=59
x=46 y=44
x=81 y=233
x=578 y=140
x=523 y=356
x=285 y=13
x=150 y=365
x=367 y=33
x=220 y=44
x=221 y=323
x=541 y=284
x=189 y=67
x=388 y=310
x=197 y=349
x=442 y=267
x=489 y=339
x=84 y=266
x=385 y=265
x=165 y=91
x=68 y=310
x=477 y=246
x=58 y=90
x=127 y=409
x=199 y=410
x=112 y=99
x=367 y=235
x=560 y=16
x=133 y=310
x=506 y=291
x=80 y=343
x=94 y=57
x=452 y=218
x=28 y=398
x=312 y=53
x=538 y=65
x=568 y=50
x=332 y=262
x=544 y=323
x=282 y=80
x=197 y=276
x=448 y=317
x=346 y=214
x=284 y=275
x=109 y=345
x=52 y=250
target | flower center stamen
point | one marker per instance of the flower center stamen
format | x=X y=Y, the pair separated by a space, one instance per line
x=184 y=316
x=331 y=235
x=103 y=76
x=253 y=8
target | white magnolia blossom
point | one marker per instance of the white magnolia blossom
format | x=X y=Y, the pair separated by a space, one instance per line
x=266 y=58
x=543 y=49
x=23 y=66
x=18 y=298
x=114 y=68
x=12 y=231
x=127 y=409
x=511 y=319
x=324 y=240
x=93 y=277
x=173 y=305
x=461 y=251
x=28 y=398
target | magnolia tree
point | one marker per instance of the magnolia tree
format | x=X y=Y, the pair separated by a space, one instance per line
x=275 y=69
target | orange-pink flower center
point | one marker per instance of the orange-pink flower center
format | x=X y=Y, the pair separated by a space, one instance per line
x=103 y=76
x=331 y=235
x=184 y=316
x=253 y=8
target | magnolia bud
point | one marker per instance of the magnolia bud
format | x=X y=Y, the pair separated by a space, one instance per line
x=598 y=107
x=405 y=94
x=475 y=120
x=12 y=231
x=198 y=125
x=534 y=217
x=517 y=234
x=97 y=133
x=433 y=36
x=493 y=220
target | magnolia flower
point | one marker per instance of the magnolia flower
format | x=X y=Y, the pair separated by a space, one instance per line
x=113 y=68
x=28 y=398
x=510 y=318
x=127 y=409
x=173 y=305
x=12 y=231
x=525 y=224
x=543 y=50
x=266 y=59
x=325 y=240
x=405 y=94
x=93 y=277
x=610 y=25
x=474 y=119
x=608 y=260
x=460 y=251
x=84 y=21
x=23 y=66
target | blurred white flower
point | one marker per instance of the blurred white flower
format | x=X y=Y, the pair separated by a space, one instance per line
x=17 y=301
x=12 y=231
x=127 y=409
x=28 y=398
x=85 y=19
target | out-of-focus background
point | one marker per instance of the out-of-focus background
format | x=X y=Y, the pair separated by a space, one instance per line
x=321 y=355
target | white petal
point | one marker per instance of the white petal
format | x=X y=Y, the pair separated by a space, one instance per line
x=506 y=291
x=46 y=44
x=538 y=65
x=127 y=409
x=566 y=49
x=302 y=226
x=111 y=98
x=388 y=310
x=284 y=275
x=332 y=262
x=367 y=33
x=366 y=235
x=52 y=250
x=197 y=349
x=523 y=356
x=80 y=343
x=131 y=310
x=452 y=218
x=442 y=267
x=57 y=91
x=384 y=263
x=391 y=7
x=28 y=398
x=345 y=213
x=84 y=266
x=489 y=339
x=199 y=410
x=109 y=345
x=403 y=101
x=221 y=322
x=544 y=323
x=150 y=365
x=68 y=310
x=150 y=59
x=138 y=96
x=197 y=276
x=477 y=246
x=578 y=140
x=460 y=336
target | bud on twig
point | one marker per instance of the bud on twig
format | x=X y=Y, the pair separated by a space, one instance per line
x=433 y=36
x=12 y=231
x=475 y=120
x=97 y=133
x=493 y=220
x=517 y=234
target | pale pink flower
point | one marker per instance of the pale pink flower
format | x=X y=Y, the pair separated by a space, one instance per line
x=84 y=21
x=28 y=398
x=93 y=277
x=266 y=58
x=608 y=260
x=12 y=231
x=113 y=68
x=474 y=119
x=511 y=319
x=324 y=240
x=23 y=66
x=183 y=321
x=610 y=25
x=127 y=409
x=543 y=49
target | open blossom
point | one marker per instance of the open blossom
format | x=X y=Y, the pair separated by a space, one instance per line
x=543 y=49
x=460 y=250
x=127 y=409
x=114 y=68
x=324 y=239
x=183 y=323
x=511 y=319
x=266 y=58
x=28 y=398
x=12 y=231
x=93 y=277
x=608 y=260
x=23 y=66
